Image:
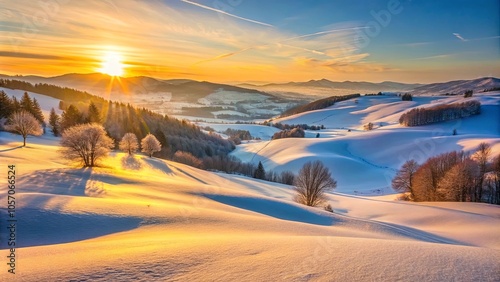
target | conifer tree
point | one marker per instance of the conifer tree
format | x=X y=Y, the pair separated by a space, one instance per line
x=26 y=103
x=71 y=117
x=6 y=106
x=54 y=120
x=37 y=111
x=259 y=172
x=94 y=115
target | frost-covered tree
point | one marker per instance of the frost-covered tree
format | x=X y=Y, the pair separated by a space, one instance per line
x=24 y=123
x=403 y=181
x=129 y=143
x=86 y=143
x=313 y=181
x=54 y=120
x=150 y=144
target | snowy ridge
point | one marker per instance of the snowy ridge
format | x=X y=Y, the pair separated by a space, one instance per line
x=364 y=162
x=186 y=220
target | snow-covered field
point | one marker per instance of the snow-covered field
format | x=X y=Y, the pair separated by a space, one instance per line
x=364 y=162
x=146 y=219
x=257 y=131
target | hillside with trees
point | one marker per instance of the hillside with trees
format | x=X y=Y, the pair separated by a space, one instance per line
x=423 y=116
x=319 y=104
x=454 y=176
x=118 y=118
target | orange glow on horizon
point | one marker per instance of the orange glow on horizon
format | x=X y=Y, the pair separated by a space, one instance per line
x=112 y=64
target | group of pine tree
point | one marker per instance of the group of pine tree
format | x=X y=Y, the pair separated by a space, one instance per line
x=179 y=140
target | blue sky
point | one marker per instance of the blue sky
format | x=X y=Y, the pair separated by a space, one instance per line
x=244 y=40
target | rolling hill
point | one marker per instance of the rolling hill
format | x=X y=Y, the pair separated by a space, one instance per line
x=146 y=219
x=117 y=88
x=364 y=162
x=457 y=86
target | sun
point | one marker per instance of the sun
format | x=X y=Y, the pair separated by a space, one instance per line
x=112 y=64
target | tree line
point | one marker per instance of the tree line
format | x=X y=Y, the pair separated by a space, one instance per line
x=454 y=176
x=118 y=118
x=423 y=116
x=319 y=104
x=289 y=133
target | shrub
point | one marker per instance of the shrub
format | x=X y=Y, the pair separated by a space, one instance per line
x=187 y=158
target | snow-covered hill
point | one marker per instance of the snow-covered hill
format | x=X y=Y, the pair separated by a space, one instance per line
x=145 y=219
x=457 y=86
x=364 y=162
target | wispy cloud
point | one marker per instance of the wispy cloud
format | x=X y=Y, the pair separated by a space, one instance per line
x=443 y=56
x=415 y=44
x=281 y=43
x=457 y=35
x=322 y=33
x=226 y=13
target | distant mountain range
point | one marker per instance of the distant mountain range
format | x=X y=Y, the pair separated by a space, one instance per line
x=457 y=86
x=186 y=90
x=182 y=90
x=325 y=83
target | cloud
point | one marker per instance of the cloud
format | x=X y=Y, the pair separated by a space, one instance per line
x=457 y=35
x=29 y=56
x=225 y=13
x=415 y=44
x=282 y=41
x=443 y=56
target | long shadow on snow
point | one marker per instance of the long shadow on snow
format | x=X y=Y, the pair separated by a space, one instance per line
x=274 y=209
x=38 y=227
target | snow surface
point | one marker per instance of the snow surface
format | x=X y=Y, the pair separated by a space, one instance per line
x=364 y=162
x=145 y=219
x=257 y=131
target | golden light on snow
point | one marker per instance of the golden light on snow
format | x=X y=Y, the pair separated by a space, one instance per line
x=112 y=64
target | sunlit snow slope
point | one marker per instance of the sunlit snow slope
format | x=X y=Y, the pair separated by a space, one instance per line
x=145 y=219
x=364 y=162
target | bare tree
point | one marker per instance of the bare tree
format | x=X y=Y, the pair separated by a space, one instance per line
x=150 y=144
x=129 y=143
x=287 y=177
x=458 y=182
x=25 y=124
x=481 y=156
x=403 y=181
x=86 y=143
x=313 y=181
